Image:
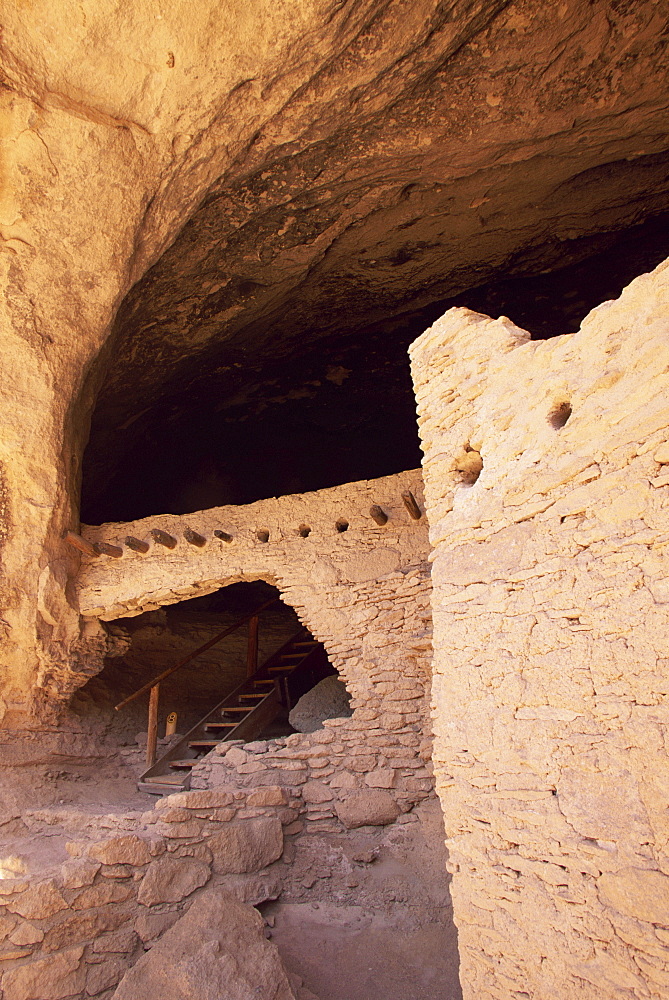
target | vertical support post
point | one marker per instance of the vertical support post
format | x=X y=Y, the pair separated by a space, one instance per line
x=152 y=728
x=252 y=648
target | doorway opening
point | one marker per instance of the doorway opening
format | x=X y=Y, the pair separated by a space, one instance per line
x=235 y=665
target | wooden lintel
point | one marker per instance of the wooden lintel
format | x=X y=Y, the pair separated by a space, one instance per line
x=411 y=505
x=105 y=549
x=136 y=544
x=223 y=535
x=194 y=538
x=377 y=514
x=77 y=542
x=162 y=538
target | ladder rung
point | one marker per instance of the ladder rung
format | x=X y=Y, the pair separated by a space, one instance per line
x=166 y=779
x=233 y=708
x=183 y=763
x=210 y=726
x=252 y=697
x=307 y=642
x=198 y=744
x=286 y=667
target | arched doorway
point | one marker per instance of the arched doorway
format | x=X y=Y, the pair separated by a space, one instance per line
x=244 y=660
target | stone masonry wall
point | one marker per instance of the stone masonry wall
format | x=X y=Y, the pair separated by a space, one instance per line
x=362 y=592
x=551 y=632
x=75 y=930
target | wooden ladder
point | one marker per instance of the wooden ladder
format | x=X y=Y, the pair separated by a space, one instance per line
x=244 y=713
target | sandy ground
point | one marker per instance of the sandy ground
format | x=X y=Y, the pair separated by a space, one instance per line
x=367 y=915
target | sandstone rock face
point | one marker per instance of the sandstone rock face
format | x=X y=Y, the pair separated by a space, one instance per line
x=329 y=699
x=218 y=949
x=550 y=689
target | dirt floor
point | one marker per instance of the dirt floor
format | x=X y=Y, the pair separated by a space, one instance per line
x=366 y=915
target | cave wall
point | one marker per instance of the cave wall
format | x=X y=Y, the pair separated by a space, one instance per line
x=550 y=633
x=343 y=159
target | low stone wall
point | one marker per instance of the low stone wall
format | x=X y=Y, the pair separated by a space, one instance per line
x=548 y=500
x=348 y=765
x=75 y=932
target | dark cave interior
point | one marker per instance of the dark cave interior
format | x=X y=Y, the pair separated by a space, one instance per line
x=243 y=421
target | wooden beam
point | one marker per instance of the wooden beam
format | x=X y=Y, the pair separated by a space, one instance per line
x=252 y=647
x=223 y=535
x=194 y=538
x=409 y=501
x=77 y=542
x=162 y=538
x=105 y=549
x=136 y=544
x=377 y=514
x=152 y=727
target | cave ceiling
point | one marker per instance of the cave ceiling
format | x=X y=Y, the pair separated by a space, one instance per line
x=511 y=157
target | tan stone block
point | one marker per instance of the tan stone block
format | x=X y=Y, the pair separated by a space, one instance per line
x=381 y=778
x=7 y=925
x=169 y=880
x=104 y=976
x=60 y=975
x=101 y=895
x=85 y=926
x=371 y=807
x=246 y=845
x=38 y=901
x=79 y=872
x=316 y=791
x=181 y=831
x=26 y=934
x=149 y=926
x=200 y=799
x=118 y=941
x=268 y=795
x=128 y=849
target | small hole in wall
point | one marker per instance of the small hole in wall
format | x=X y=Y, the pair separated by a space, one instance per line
x=469 y=464
x=304 y=531
x=341 y=525
x=262 y=535
x=560 y=414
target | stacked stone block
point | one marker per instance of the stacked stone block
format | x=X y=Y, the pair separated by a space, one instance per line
x=551 y=630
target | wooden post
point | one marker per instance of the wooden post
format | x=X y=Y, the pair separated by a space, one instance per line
x=105 y=549
x=252 y=648
x=194 y=537
x=377 y=514
x=136 y=544
x=72 y=538
x=410 y=503
x=152 y=728
x=162 y=538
